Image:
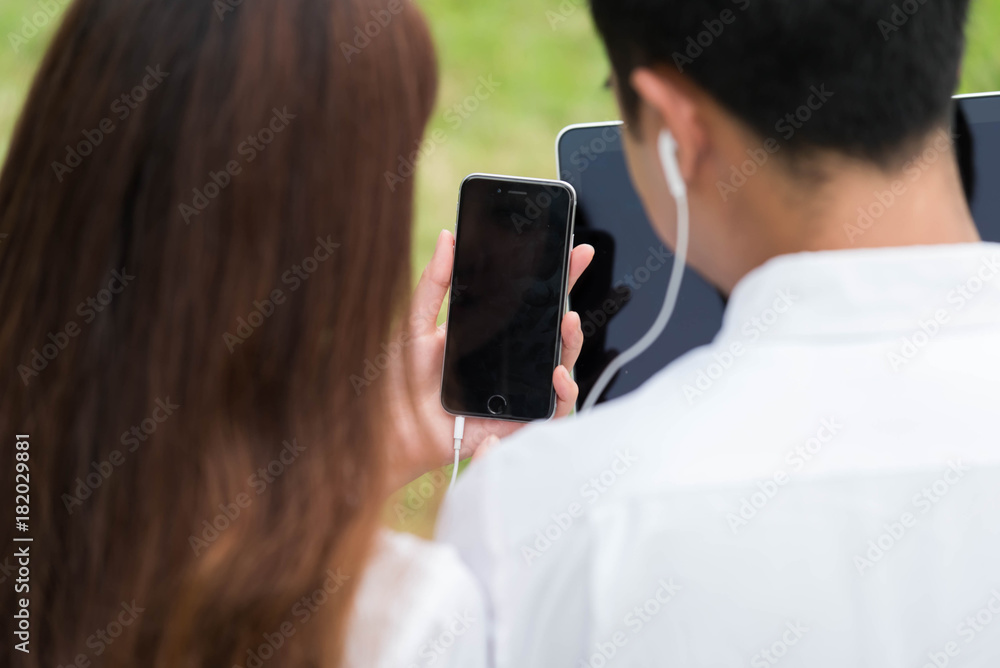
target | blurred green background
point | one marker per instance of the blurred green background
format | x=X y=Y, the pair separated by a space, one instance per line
x=546 y=69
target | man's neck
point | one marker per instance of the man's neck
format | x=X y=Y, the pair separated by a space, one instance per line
x=922 y=203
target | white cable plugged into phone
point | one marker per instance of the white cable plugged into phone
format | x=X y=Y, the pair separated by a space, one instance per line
x=459 y=434
x=675 y=181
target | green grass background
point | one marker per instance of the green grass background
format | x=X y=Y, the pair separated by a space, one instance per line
x=550 y=68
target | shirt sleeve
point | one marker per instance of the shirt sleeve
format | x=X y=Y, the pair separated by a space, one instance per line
x=518 y=520
x=466 y=524
x=418 y=606
x=455 y=632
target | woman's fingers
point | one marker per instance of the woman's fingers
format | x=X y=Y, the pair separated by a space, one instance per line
x=566 y=391
x=566 y=388
x=572 y=339
x=433 y=287
x=578 y=262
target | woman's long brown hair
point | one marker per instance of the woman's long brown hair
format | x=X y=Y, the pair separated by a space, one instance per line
x=202 y=248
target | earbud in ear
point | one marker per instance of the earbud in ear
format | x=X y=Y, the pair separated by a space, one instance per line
x=672 y=169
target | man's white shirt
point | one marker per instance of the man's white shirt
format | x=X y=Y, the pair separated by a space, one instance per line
x=818 y=487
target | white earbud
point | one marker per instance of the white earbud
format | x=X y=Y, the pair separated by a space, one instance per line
x=668 y=156
x=678 y=188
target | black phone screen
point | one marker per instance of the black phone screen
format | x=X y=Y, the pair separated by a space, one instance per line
x=508 y=298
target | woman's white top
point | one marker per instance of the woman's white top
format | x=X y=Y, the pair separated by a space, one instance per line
x=417 y=606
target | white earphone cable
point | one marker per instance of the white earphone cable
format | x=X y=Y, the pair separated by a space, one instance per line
x=671 y=168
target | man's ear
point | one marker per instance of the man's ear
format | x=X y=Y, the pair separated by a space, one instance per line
x=675 y=108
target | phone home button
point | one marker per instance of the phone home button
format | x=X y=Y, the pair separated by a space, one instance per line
x=496 y=405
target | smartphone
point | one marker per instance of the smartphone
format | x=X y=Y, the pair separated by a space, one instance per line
x=513 y=239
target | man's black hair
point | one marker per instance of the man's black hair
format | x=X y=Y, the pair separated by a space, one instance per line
x=881 y=72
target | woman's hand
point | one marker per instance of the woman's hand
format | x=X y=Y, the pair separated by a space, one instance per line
x=416 y=404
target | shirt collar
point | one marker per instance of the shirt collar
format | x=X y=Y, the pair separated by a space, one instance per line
x=865 y=291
